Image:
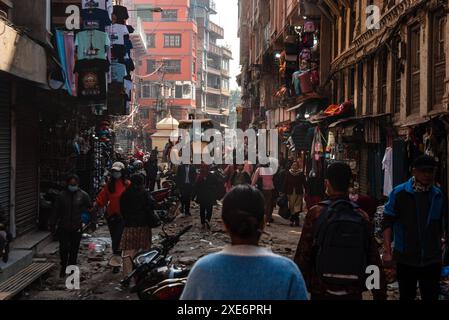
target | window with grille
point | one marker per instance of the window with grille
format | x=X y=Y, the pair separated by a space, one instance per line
x=149 y=90
x=360 y=87
x=351 y=83
x=383 y=66
x=172 y=40
x=151 y=40
x=172 y=66
x=438 y=60
x=414 y=70
x=370 y=87
x=396 y=77
x=170 y=15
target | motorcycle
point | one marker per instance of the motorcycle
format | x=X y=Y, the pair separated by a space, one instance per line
x=155 y=266
x=167 y=201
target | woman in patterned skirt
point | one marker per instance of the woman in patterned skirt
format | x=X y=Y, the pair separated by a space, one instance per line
x=137 y=208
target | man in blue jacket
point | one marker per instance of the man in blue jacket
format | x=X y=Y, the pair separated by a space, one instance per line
x=415 y=218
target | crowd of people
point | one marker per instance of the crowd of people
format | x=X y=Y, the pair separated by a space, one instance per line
x=337 y=242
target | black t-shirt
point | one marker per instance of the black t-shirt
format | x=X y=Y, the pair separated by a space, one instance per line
x=92 y=79
x=95 y=19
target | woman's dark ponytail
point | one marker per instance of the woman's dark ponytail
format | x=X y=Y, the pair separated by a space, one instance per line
x=243 y=211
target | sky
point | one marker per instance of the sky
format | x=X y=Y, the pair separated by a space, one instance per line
x=227 y=17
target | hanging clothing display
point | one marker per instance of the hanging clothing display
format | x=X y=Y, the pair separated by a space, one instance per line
x=92 y=44
x=65 y=43
x=117 y=33
x=387 y=166
x=92 y=78
x=118 y=72
x=128 y=88
x=95 y=19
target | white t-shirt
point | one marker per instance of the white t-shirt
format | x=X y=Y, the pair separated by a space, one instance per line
x=117 y=32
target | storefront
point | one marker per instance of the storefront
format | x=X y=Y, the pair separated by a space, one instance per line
x=5 y=143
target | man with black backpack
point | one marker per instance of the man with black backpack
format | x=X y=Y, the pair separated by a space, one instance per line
x=337 y=244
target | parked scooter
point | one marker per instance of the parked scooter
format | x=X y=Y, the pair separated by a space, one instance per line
x=154 y=266
x=167 y=201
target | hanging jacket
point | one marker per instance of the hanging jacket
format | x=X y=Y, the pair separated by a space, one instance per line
x=299 y=134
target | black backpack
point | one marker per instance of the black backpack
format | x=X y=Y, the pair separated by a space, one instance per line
x=341 y=240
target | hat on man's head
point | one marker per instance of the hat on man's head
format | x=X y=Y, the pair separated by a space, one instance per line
x=425 y=162
x=118 y=166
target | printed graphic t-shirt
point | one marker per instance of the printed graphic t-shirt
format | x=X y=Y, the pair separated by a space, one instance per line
x=92 y=78
x=92 y=44
x=95 y=19
x=117 y=33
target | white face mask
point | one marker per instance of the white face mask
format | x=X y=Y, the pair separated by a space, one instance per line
x=73 y=188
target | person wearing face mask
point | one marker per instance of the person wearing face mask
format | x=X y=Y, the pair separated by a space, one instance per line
x=109 y=197
x=66 y=221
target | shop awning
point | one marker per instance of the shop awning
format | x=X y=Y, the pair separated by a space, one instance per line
x=342 y=121
x=415 y=122
x=307 y=99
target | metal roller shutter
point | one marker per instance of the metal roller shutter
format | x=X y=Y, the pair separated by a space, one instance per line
x=5 y=144
x=27 y=169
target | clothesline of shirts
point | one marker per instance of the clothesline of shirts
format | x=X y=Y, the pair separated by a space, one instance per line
x=97 y=59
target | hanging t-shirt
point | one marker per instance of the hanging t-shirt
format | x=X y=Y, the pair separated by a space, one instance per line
x=95 y=19
x=118 y=53
x=92 y=44
x=387 y=166
x=118 y=71
x=92 y=78
x=94 y=4
x=128 y=88
x=117 y=34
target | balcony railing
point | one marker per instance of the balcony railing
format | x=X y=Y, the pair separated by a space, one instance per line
x=226 y=52
x=213 y=48
x=212 y=27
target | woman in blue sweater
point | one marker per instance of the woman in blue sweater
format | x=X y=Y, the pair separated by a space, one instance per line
x=244 y=270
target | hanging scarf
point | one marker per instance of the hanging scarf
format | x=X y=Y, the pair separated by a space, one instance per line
x=419 y=187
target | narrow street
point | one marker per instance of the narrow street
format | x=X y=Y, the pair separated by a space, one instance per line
x=99 y=283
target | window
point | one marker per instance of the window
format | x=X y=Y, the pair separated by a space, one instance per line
x=383 y=66
x=151 y=66
x=170 y=15
x=351 y=83
x=342 y=89
x=225 y=85
x=414 y=70
x=370 y=86
x=343 y=30
x=226 y=64
x=149 y=90
x=360 y=86
x=438 y=60
x=151 y=40
x=145 y=13
x=172 y=40
x=173 y=66
x=178 y=92
x=397 y=66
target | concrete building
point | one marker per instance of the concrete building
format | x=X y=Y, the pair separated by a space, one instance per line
x=168 y=70
x=393 y=69
x=213 y=85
